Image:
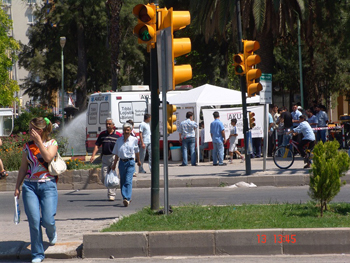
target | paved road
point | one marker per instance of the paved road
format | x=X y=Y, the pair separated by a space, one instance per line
x=88 y=211
x=221 y=259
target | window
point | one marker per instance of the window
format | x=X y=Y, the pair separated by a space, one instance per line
x=29 y=2
x=6 y=2
x=31 y=19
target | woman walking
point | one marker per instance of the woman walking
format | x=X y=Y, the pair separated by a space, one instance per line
x=39 y=187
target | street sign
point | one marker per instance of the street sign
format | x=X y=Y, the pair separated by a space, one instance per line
x=266 y=93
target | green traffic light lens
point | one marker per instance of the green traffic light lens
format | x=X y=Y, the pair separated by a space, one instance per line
x=239 y=69
x=144 y=34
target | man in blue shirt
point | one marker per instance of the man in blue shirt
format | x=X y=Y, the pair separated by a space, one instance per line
x=295 y=115
x=322 y=122
x=217 y=132
x=312 y=119
x=309 y=137
x=187 y=137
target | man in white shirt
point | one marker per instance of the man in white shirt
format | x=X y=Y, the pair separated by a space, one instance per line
x=309 y=138
x=145 y=141
x=126 y=148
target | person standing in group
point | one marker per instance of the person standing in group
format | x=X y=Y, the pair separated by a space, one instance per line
x=145 y=142
x=217 y=132
x=233 y=141
x=280 y=128
x=271 y=136
x=322 y=118
x=125 y=150
x=203 y=145
x=187 y=137
x=134 y=135
x=312 y=120
x=39 y=188
x=287 y=120
x=107 y=140
x=295 y=115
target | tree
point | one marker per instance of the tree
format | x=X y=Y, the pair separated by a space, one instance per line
x=329 y=165
x=8 y=49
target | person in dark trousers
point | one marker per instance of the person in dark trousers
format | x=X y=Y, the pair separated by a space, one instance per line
x=107 y=140
x=287 y=120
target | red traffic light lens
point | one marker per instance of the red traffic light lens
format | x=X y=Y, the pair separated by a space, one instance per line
x=143 y=15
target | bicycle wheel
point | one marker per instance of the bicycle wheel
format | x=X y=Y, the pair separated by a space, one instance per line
x=283 y=157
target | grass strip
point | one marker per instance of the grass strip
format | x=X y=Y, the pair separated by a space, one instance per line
x=195 y=217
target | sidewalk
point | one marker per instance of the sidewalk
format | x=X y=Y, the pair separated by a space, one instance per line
x=177 y=243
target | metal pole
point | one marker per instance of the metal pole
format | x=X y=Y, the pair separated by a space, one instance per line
x=164 y=115
x=300 y=67
x=243 y=90
x=266 y=137
x=154 y=127
x=62 y=89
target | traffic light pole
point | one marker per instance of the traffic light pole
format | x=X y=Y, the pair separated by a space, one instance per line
x=243 y=90
x=154 y=127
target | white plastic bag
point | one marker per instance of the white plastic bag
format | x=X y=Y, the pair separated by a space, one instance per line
x=17 y=216
x=111 y=179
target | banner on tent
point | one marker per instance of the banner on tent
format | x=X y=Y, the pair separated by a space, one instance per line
x=227 y=114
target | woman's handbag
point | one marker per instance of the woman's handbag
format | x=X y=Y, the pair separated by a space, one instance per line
x=57 y=165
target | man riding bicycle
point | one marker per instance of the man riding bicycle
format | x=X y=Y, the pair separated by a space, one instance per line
x=309 y=138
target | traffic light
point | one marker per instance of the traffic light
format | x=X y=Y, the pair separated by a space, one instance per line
x=171 y=118
x=251 y=119
x=177 y=20
x=146 y=28
x=252 y=74
x=238 y=60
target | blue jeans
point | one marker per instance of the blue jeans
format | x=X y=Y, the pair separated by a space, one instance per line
x=40 y=196
x=143 y=155
x=201 y=150
x=189 y=143
x=218 y=152
x=126 y=171
x=321 y=135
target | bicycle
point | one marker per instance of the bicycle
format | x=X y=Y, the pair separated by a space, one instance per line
x=284 y=156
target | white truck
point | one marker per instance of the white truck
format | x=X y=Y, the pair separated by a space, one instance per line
x=131 y=103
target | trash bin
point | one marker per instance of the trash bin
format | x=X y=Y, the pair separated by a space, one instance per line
x=176 y=153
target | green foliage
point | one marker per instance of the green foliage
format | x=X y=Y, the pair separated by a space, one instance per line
x=21 y=124
x=8 y=49
x=197 y=217
x=11 y=151
x=329 y=165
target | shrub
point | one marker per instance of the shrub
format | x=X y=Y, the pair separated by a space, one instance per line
x=329 y=165
x=11 y=151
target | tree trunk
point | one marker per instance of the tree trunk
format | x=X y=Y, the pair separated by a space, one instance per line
x=113 y=8
x=266 y=52
x=82 y=70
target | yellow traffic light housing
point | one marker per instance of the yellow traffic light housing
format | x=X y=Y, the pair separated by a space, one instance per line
x=146 y=28
x=251 y=119
x=252 y=74
x=171 y=118
x=177 y=20
x=238 y=60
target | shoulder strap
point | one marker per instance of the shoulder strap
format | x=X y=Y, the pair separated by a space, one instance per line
x=36 y=152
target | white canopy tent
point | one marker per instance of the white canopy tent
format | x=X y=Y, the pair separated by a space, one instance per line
x=208 y=95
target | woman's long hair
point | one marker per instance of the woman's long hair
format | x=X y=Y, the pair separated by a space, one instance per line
x=40 y=123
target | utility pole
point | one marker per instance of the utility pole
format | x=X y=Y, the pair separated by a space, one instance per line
x=243 y=90
x=155 y=103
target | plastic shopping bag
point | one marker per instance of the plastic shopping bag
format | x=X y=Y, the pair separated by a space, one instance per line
x=111 y=179
x=17 y=216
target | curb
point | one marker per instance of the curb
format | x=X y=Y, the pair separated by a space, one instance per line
x=217 y=243
x=21 y=250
